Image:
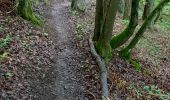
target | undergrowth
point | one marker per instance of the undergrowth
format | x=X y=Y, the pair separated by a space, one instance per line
x=143 y=91
x=5 y=41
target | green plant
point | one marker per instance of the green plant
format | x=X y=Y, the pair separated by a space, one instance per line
x=29 y=32
x=80 y=30
x=45 y=34
x=9 y=19
x=125 y=22
x=1 y=28
x=9 y=75
x=154 y=90
x=165 y=24
x=136 y=64
x=142 y=90
x=74 y=12
x=3 y=56
x=135 y=90
x=4 y=42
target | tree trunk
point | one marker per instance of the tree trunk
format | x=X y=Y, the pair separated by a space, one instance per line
x=127 y=50
x=103 y=44
x=98 y=19
x=127 y=9
x=104 y=21
x=148 y=8
x=128 y=32
x=121 y=6
x=25 y=10
x=157 y=17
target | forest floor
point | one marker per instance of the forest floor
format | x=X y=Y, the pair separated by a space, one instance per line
x=55 y=63
x=151 y=82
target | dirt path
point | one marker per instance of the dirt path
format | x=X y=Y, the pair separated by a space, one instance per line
x=66 y=83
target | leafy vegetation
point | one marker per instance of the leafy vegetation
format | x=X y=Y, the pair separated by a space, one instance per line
x=1 y=28
x=3 y=56
x=80 y=30
x=5 y=41
x=148 y=91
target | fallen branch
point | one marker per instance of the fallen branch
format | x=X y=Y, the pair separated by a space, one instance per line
x=103 y=70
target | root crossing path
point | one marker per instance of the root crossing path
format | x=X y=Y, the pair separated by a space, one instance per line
x=68 y=79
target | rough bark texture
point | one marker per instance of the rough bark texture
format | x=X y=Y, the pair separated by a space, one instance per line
x=157 y=17
x=128 y=32
x=148 y=8
x=25 y=10
x=127 y=50
x=121 y=6
x=126 y=14
x=98 y=19
x=103 y=44
x=105 y=16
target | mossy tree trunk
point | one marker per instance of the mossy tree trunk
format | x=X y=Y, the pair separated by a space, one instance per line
x=127 y=9
x=121 y=6
x=25 y=10
x=104 y=21
x=127 y=50
x=121 y=38
x=148 y=9
x=103 y=43
x=157 y=17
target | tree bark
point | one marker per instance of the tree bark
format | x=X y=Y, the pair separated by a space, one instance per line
x=121 y=38
x=104 y=21
x=98 y=19
x=127 y=9
x=25 y=10
x=103 y=44
x=148 y=8
x=121 y=6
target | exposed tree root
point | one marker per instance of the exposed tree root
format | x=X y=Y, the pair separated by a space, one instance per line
x=103 y=70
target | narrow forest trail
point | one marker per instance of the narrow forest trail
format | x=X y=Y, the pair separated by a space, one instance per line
x=68 y=79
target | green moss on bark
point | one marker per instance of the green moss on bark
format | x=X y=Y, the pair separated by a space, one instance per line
x=128 y=32
x=25 y=10
x=127 y=50
x=103 y=44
